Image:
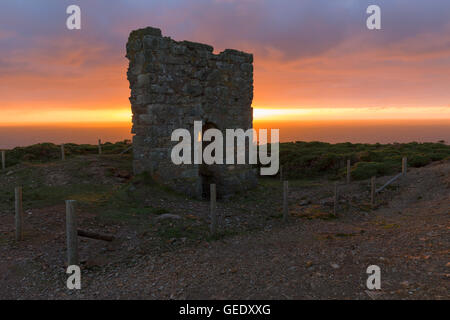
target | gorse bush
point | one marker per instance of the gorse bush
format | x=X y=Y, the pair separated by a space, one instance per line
x=46 y=152
x=419 y=160
x=314 y=159
x=300 y=160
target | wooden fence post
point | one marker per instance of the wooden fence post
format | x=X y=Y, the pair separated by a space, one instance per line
x=336 y=198
x=285 y=200
x=3 y=160
x=63 y=154
x=99 y=146
x=19 y=214
x=348 y=171
x=404 y=165
x=372 y=192
x=213 y=197
x=71 y=231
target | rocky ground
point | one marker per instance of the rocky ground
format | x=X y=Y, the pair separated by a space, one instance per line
x=162 y=249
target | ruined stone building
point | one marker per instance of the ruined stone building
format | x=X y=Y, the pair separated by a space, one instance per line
x=174 y=84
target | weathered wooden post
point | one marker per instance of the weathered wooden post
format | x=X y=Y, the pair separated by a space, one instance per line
x=71 y=231
x=404 y=165
x=19 y=214
x=336 y=198
x=213 y=209
x=3 y=160
x=63 y=154
x=99 y=146
x=348 y=171
x=285 y=201
x=372 y=192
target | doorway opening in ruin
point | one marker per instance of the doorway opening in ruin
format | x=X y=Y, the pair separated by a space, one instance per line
x=208 y=173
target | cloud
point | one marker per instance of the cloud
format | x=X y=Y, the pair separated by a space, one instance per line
x=312 y=53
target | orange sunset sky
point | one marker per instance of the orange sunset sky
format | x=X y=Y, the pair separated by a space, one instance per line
x=313 y=60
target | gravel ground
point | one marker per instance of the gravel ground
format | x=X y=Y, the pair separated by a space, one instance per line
x=310 y=257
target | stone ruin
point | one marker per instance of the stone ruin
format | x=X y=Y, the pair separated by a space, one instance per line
x=174 y=84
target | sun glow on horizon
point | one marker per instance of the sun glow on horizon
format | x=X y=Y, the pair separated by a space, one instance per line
x=299 y=114
x=78 y=116
x=120 y=115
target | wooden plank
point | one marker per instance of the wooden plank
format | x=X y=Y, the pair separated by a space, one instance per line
x=336 y=198
x=72 y=235
x=3 y=159
x=63 y=154
x=372 y=192
x=19 y=213
x=213 y=198
x=285 y=200
x=404 y=165
x=127 y=149
x=94 y=235
x=348 y=171
x=389 y=182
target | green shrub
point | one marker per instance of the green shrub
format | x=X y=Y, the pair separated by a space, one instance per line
x=388 y=167
x=313 y=159
x=364 y=170
x=436 y=156
x=418 y=160
x=46 y=152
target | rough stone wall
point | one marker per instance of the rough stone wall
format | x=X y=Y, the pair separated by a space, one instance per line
x=174 y=84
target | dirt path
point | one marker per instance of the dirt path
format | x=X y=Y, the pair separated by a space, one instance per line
x=407 y=237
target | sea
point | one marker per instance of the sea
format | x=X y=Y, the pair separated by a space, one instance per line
x=355 y=131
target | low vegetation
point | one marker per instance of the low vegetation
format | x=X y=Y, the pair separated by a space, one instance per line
x=47 y=152
x=106 y=190
x=302 y=160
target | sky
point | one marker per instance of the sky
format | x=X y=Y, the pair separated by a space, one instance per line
x=313 y=59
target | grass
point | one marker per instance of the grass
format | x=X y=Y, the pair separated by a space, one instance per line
x=111 y=202
x=44 y=196
x=48 y=152
x=303 y=161
x=51 y=195
x=51 y=183
x=304 y=164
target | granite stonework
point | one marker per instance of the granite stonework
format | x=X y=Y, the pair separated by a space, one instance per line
x=174 y=83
